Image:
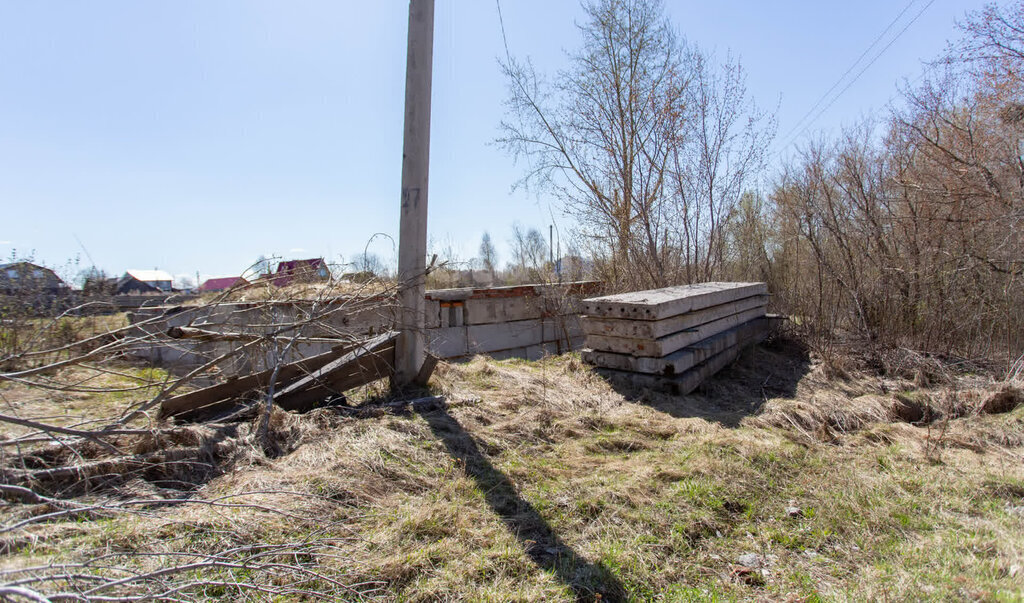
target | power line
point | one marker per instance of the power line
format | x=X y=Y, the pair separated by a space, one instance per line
x=504 y=38
x=866 y=67
x=855 y=78
x=849 y=69
x=82 y=245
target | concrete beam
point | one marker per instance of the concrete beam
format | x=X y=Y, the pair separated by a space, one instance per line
x=490 y=311
x=657 y=304
x=685 y=383
x=448 y=342
x=681 y=360
x=652 y=329
x=663 y=346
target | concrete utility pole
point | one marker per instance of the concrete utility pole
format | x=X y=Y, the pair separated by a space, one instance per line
x=410 y=348
x=551 y=244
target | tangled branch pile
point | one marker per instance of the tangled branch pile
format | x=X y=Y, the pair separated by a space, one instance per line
x=120 y=459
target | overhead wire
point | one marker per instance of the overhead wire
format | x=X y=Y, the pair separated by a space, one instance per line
x=849 y=69
x=504 y=38
x=835 y=98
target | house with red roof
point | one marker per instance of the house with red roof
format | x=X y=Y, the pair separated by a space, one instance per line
x=222 y=283
x=300 y=271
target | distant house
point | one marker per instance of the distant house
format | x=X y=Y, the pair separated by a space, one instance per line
x=222 y=283
x=144 y=281
x=18 y=278
x=300 y=271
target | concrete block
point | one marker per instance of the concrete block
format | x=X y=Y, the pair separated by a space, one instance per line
x=652 y=329
x=663 y=346
x=497 y=310
x=686 y=382
x=657 y=304
x=433 y=314
x=561 y=327
x=450 y=342
x=506 y=354
x=484 y=339
x=681 y=360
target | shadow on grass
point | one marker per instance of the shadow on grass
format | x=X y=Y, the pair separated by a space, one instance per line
x=772 y=369
x=589 y=581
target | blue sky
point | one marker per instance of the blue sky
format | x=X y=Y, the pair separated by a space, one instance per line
x=196 y=136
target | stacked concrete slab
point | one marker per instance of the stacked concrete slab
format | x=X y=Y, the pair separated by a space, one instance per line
x=672 y=339
x=524 y=321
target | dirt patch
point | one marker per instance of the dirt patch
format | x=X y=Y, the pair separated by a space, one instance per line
x=1004 y=401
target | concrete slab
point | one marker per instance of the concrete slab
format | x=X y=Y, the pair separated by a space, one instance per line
x=681 y=360
x=484 y=339
x=433 y=314
x=652 y=329
x=536 y=352
x=689 y=380
x=489 y=310
x=663 y=346
x=448 y=342
x=657 y=304
x=562 y=327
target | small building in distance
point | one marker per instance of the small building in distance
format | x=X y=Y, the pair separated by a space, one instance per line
x=18 y=278
x=222 y=283
x=300 y=271
x=144 y=281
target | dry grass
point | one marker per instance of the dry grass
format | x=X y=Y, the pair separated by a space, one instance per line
x=539 y=481
x=261 y=291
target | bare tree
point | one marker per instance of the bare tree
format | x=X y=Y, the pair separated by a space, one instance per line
x=648 y=143
x=529 y=252
x=717 y=155
x=488 y=256
x=369 y=263
x=993 y=46
x=915 y=241
x=598 y=136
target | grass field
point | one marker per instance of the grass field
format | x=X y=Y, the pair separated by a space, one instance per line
x=539 y=481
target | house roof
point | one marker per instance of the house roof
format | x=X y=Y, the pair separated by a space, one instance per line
x=23 y=263
x=149 y=276
x=221 y=282
x=292 y=265
x=289 y=269
x=32 y=271
x=131 y=283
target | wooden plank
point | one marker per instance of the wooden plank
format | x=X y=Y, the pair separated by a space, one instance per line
x=663 y=346
x=657 y=304
x=371 y=361
x=194 y=333
x=681 y=360
x=222 y=396
x=429 y=364
x=685 y=383
x=652 y=329
x=378 y=365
